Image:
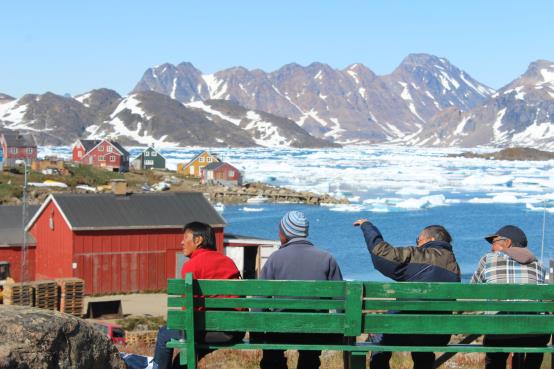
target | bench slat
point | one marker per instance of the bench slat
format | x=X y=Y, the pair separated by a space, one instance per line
x=240 y=321
x=438 y=290
x=260 y=288
x=367 y=347
x=466 y=305
x=458 y=324
x=260 y=303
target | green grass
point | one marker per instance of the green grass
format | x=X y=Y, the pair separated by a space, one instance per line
x=88 y=175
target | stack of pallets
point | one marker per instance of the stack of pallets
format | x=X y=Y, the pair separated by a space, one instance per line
x=46 y=294
x=18 y=294
x=71 y=293
x=140 y=337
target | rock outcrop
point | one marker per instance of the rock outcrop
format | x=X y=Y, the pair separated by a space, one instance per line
x=36 y=338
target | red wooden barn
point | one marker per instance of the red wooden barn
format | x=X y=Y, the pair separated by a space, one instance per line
x=101 y=153
x=221 y=173
x=12 y=242
x=117 y=243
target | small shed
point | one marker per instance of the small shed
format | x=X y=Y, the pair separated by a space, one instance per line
x=221 y=173
x=12 y=242
x=249 y=253
x=149 y=159
x=117 y=243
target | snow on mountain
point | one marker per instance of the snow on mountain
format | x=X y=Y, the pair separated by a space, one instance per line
x=265 y=129
x=5 y=98
x=51 y=119
x=350 y=106
x=519 y=114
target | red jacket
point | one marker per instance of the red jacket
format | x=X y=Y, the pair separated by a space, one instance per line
x=210 y=264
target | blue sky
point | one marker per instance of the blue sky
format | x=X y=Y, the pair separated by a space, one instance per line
x=75 y=46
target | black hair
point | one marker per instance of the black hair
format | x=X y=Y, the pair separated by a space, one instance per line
x=438 y=232
x=203 y=230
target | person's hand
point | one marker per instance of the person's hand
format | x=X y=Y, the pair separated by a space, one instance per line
x=359 y=222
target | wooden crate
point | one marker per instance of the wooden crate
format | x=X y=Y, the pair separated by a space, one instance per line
x=46 y=294
x=18 y=294
x=140 y=337
x=71 y=295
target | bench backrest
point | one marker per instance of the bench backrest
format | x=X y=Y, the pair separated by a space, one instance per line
x=424 y=307
x=298 y=306
x=353 y=307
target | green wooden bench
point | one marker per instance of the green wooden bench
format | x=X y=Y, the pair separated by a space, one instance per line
x=351 y=308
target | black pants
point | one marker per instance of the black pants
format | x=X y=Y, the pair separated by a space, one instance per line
x=422 y=360
x=497 y=360
x=307 y=359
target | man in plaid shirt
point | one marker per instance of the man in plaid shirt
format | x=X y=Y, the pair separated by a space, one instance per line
x=510 y=261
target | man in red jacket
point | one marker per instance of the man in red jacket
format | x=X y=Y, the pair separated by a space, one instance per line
x=204 y=263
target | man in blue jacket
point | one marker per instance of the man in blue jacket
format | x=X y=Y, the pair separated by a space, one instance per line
x=297 y=259
x=431 y=260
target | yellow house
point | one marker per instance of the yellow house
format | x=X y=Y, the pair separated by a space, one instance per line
x=193 y=167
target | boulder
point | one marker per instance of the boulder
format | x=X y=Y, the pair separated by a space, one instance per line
x=36 y=338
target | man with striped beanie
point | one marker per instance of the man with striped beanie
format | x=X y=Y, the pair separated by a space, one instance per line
x=297 y=259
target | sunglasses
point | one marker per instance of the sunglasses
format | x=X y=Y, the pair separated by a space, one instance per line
x=499 y=239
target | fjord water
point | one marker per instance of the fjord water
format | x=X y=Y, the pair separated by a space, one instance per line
x=400 y=189
x=333 y=231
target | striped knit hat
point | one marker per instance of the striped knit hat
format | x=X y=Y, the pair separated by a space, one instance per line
x=294 y=224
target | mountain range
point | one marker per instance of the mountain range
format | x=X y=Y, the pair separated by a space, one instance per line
x=425 y=101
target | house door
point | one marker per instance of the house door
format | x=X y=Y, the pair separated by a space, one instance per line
x=191 y=170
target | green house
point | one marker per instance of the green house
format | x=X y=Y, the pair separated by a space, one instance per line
x=149 y=159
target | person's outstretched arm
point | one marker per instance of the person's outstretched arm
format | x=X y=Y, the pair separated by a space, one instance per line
x=389 y=260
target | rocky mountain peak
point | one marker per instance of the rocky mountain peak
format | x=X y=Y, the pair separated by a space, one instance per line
x=5 y=98
x=540 y=72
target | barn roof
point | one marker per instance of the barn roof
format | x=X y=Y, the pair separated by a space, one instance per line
x=11 y=228
x=134 y=211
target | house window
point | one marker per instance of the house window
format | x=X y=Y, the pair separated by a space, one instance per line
x=146 y=153
x=208 y=159
x=149 y=162
x=100 y=148
x=29 y=150
x=110 y=149
x=112 y=157
x=101 y=158
x=13 y=150
x=231 y=173
x=154 y=153
x=90 y=159
x=201 y=159
x=79 y=154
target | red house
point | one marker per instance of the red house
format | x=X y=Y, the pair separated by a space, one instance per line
x=12 y=242
x=221 y=173
x=101 y=153
x=15 y=146
x=117 y=243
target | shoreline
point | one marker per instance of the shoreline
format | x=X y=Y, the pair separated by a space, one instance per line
x=98 y=181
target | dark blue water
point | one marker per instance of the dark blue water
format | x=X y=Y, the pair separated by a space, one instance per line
x=333 y=231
